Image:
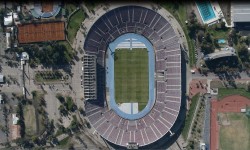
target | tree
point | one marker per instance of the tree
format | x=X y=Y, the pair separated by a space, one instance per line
x=62 y=110
x=60 y=98
x=223 y=25
x=233 y=37
x=200 y=35
x=242 y=50
x=207 y=48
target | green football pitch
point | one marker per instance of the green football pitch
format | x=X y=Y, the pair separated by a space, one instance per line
x=131 y=76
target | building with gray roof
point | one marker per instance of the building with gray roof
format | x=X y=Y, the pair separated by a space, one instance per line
x=240 y=14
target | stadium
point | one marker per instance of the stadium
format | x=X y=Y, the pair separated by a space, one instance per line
x=138 y=77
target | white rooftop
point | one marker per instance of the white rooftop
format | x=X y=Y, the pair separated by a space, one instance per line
x=240 y=11
x=14 y=119
x=1 y=78
x=8 y=20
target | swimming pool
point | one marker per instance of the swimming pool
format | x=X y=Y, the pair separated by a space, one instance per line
x=206 y=10
x=221 y=41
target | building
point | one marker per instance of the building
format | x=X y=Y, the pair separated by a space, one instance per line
x=89 y=76
x=15 y=128
x=1 y=78
x=240 y=14
x=8 y=40
x=229 y=51
x=24 y=56
x=14 y=119
x=8 y=20
x=1 y=99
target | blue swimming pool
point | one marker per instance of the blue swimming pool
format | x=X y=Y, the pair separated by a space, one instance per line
x=206 y=10
x=221 y=41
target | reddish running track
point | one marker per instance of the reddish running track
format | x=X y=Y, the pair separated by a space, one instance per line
x=229 y=104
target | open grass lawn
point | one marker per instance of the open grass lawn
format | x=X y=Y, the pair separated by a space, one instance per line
x=223 y=92
x=131 y=76
x=30 y=120
x=190 y=116
x=237 y=134
x=74 y=24
x=218 y=34
x=64 y=143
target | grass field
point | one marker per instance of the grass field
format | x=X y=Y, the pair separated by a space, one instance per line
x=223 y=92
x=237 y=134
x=190 y=116
x=74 y=24
x=30 y=120
x=131 y=76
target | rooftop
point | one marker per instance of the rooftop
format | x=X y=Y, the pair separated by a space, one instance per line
x=229 y=51
x=240 y=11
x=1 y=78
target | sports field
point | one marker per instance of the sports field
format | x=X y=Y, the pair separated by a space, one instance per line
x=131 y=76
x=234 y=131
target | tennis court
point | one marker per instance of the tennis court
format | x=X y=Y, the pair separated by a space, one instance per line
x=29 y=33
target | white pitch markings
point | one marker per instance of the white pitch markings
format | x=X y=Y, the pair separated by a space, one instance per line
x=119 y=121
x=153 y=132
x=174 y=55
x=134 y=135
x=110 y=131
x=156 y=22
x=146 y=133
x=171 y=109
x=122 y=137
x=157 y=129
x=172 y=67
x=100 y=124
x=169 y=38
x=162 y=28
x=152 y=20
x=107 y=129
x=94 y=110
x=166 y=120
x=130 y=135
x=172 y=96
x=164 y=31
x=172 y=89
x=169 y=113
x=95 y=113
x=145 y=16
x=172 y=101
x=116 y=17
x=151 y=117
x=173 y=78
x=117 y=136
x=144 y=122
x=164 y=124
x=142 y=137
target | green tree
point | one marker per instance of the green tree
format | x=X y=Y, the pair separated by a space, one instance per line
x=242 y=49
x=207 y=48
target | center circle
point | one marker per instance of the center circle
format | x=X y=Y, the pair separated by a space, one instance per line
x=130 y=68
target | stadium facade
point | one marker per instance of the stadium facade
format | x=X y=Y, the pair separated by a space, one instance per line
x=160 y=120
